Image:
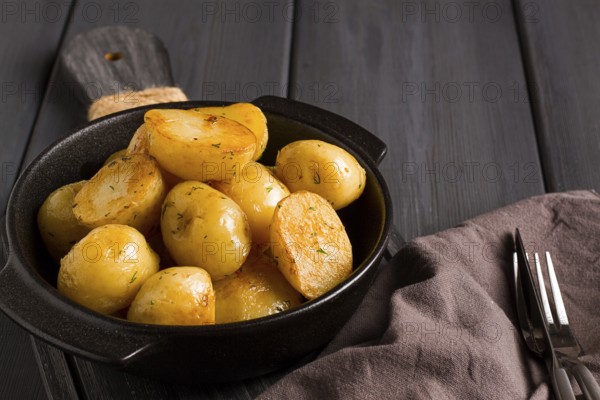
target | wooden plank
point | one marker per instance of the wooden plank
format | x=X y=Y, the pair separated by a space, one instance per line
x=24 y=72
x=56 y=374
x=227 y=52
x=435 y=81
x=30 y=34
x=562 y=59
x=18 y=362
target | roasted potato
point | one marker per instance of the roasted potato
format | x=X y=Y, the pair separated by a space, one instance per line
x=58 y=226
x=128 y=190
x=139 y=145
x=321 y=168
x=175 y=296
x=115 y=155
x=310 y=244
x=139 y=141
x=256 y=290
x=248 y=115
x=203 y=227
x=257 y=192
x=106 y=268
x=198 y=146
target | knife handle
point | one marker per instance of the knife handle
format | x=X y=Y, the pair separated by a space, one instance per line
x=586 y=381
x=561 y=384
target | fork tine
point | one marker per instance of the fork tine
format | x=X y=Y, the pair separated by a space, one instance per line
x=516 y=267
x=545 y=302
x=558 y=301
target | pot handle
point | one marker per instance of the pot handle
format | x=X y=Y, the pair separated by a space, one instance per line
x=361 y=139
x=395 y=243
x=3 y=243
x=70 y=327
x=113 y=59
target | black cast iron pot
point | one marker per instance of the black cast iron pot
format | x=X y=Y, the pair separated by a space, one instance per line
x=217 y=353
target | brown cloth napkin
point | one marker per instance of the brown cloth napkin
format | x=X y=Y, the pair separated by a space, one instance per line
x=440 y=320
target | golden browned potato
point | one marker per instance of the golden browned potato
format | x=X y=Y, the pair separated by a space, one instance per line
x=256 y=290
x=257 y=192
x=175 y=296
x=203 y=227
x=248 y=115
x=198 y=146
x=106 y=268
x=139 y=142
x=139 y=145
x=128 y=190
x=310 y=244
x=115 y=155
x=321 y=168
x=58 y=226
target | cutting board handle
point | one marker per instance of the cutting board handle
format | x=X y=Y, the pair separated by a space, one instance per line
x=113 y=59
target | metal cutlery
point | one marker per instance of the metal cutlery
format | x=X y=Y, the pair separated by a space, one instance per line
x=563 y=340
x=546 y=336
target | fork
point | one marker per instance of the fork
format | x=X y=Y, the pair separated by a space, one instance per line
x=566 y=347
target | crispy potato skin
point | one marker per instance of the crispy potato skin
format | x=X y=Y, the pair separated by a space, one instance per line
x=257 y=192
x=139 y=141
x=57 y=224
x=190 y=183
x=198 y=146
x=256 y=290
x=106 y=268
x=175 y=296
x=203 y=227
x=139 y=145
x=115 y=156
x=248 y=115
x=321 y=168
x=128 y=190
x=310 y=244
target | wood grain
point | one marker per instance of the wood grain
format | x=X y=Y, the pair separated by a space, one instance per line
x=438 y=90
x=562 y=58
x=57 y=376
x=23 y=77
x=113 y=59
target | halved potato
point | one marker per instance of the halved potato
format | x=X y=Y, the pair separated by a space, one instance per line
x=256 y=290
x=257 y=192
x=203 y=227
x=106 y=268
x=115 y=155
x=128 y=190
x=58 y=226
x=139 y=145
x=175 y=296
x=198 y=146
x=139 y=141
x=248 y=115
x=310 y=244
x=321 y=168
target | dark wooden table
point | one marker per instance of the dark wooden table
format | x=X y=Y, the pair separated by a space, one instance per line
x=481 y=103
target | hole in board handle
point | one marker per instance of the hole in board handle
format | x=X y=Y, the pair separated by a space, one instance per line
x=113 y=56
